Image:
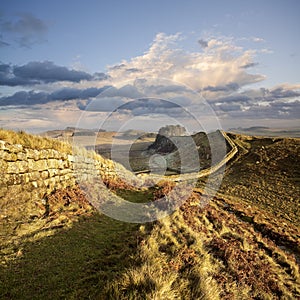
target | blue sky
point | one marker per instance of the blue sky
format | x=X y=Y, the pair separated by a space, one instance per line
x=82 y=38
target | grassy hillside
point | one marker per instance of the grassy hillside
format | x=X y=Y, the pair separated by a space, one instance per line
x=243 y=245
x=266 y=173
x=223 y=251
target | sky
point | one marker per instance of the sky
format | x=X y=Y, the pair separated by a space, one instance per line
x=142 y=64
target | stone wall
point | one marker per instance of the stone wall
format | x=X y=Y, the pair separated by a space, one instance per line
x=27 y=175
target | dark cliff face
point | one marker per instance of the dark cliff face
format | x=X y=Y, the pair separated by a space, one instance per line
x=162 y=145
x=167 y=144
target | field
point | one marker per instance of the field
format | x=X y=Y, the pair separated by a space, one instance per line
x=244 y=244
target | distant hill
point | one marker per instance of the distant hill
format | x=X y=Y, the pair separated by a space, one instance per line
x=267 y=131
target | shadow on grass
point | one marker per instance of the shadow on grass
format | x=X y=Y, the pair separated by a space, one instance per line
x=74 y=263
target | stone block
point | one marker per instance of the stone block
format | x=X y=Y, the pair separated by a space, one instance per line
x=3 y=145
x=3 y=191
x=33 y=176
x=44 y=154
x=9 y=156
x=41 y=165
x=44 y=174
x=23 y=166
x=53 y=172
x=21 y=156
x=16 y=148
x=12 y=168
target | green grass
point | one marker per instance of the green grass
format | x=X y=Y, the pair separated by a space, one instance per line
x=136 y=195
x=77 y=262
x=73 y=264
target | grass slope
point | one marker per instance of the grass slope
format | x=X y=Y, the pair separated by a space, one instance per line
x=72 y=262
x=243 y=245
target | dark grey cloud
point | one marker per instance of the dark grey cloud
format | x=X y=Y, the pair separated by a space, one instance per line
x=281 y=110
x=100 y=76
x=237 y=98
x=40 y=72
x=2 y=42
x=203 y=43
x=126 y=91
x=151 y=106
x=133 y=70
x=284 y=93
x=49 y=72
x=273 y=104
x=32 y=97
x=249 y=65
x=228 y=107
x=104 y=104
x=27 y=29
x=223 y=88
x=162 y=89
x=149 y=103
x=139 y=107
x=117 y=67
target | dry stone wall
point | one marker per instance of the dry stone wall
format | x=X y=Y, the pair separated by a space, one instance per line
x=27 y=175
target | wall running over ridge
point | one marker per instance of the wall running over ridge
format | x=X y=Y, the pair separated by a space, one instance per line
x=27 y=175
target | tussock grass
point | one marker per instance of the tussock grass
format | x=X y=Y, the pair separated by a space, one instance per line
x=34 y=141
x=214 y=253
x=167 y=268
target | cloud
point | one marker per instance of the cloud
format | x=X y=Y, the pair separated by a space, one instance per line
x=103 y=104
x=220 y=71
x=257 y=39
x=280 y=92
x=126 y=91
x=281 y=102
x=41 y=72
x=2 y=42
x=249 y=65
x=49 y=72
x=266 y=51
x=222 y=88
x=220 y=63
x=150 y=106
x=32 y=98
x=203 y=43
x=100 y=76
x=132 y=70
x=27 y=29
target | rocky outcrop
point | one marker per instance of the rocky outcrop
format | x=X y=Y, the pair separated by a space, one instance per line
x=172 y=130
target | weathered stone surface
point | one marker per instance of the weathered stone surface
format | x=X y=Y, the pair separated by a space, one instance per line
x=44 y=174
x=52 y=163
x=35 y=175
x=3 y=191
x=9 y=156
x=33 y=153
x=3 y=166
x=12 y=168
x=41 y=165
x=16 y=148
x=34 y=184
x=53 y=172
x=44 y=154
x=3 y=145
x=21 y=156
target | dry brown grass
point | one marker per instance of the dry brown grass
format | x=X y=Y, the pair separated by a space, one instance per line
x=34 y=141
x=224 y=251
x=266 y=172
